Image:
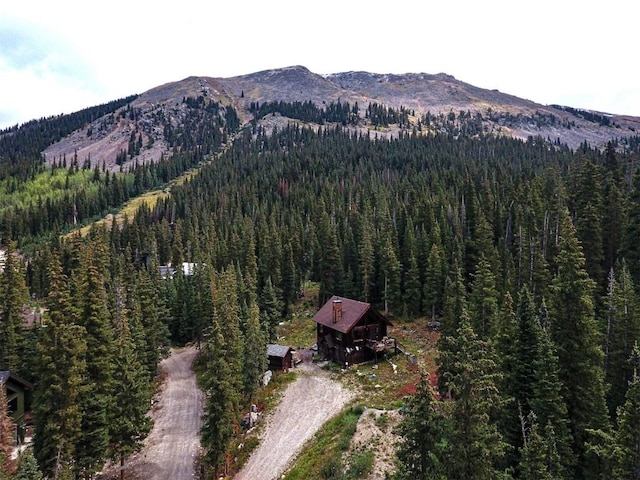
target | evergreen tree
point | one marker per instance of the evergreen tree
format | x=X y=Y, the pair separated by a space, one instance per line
x=580 y=357
x=155 y=317
x=270 y=309
x=132 y=396
x=629 y=244
x=222 y=399
x=366 y=256
x=62 y=369
x=483 y=301
x=13 y=298
x=474 y=445
x=222 y=360
x=433 y=283
x=255 y=358
x=422 y=429
x=28 y=467
x=627 y=440
x=97 y=402
x=588 y=212
x=623 y=329
x=540 y=459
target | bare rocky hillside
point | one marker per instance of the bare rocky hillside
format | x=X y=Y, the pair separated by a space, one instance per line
x=147 y=117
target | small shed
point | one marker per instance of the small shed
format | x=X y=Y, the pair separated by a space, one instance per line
x=350 y=331
x=280 y=357
x=15 y=389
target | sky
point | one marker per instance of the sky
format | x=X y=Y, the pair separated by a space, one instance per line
x=65 y=55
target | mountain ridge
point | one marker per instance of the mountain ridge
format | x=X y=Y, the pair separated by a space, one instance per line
x=420 y=93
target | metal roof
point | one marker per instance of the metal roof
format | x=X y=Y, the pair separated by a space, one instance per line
x=277 y=350
x=352 y=312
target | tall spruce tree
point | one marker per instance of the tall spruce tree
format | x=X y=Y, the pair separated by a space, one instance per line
x=540 y=459
x=255 y=358
x=13 y=298
x=622 y=331
x=422 y=429
x=130 y=422
x=433 y=283
x=97 y=401
x=575 y=332
x=62 y=370
x=28 y=467
x=474 y=445
x=222 y=359
x=629 y=244
x=627 y=436
x=483 y=300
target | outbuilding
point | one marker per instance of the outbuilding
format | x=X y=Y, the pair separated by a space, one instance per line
x=280 y=357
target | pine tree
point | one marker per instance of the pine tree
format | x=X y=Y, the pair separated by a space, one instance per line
x=422 y=429
x=13 y=298
x=270 y=309
x=629 y=245
x=222 y=399
x=366 y=256
x=627 y=465
x=580 y=357
x=255 y=358
x=132 y=395
x=97 y=401
x=475 y=447
x=623 y=329
x=483 y=301
x=588 y=212
x=433 y=283
x=539 y=459
x=154 y=315
x=62 y=350
x=28 y=467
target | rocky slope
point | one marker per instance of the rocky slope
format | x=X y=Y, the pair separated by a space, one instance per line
x=148 y=116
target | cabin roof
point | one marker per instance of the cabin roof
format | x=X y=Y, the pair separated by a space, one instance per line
x=277 y=350
x=352 y=312
x=5 y=375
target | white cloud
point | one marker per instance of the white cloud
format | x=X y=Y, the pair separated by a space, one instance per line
x=71 y=55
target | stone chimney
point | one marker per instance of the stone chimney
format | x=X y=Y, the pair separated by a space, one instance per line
x=337 y=310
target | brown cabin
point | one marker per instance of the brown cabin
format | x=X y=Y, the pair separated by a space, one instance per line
x=280 y=357
x=350 y=332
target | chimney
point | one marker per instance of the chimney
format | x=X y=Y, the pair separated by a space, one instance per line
x=337 y=310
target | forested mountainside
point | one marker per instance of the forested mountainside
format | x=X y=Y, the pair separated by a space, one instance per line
x=525 y=252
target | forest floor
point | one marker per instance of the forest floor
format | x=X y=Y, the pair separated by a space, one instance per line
x=172 y=447
x=307 y=403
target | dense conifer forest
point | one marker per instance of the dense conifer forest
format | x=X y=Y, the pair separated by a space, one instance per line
x=525 y=253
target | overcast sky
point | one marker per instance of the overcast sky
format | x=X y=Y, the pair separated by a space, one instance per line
x=61 y=56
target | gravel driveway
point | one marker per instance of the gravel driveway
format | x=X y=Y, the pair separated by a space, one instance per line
x=172 y=446
x=311 y=400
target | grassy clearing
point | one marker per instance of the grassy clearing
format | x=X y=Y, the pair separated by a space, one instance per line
x=299 y=330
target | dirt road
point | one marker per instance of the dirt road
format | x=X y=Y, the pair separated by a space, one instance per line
x=311 y=400
x=171 y=447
